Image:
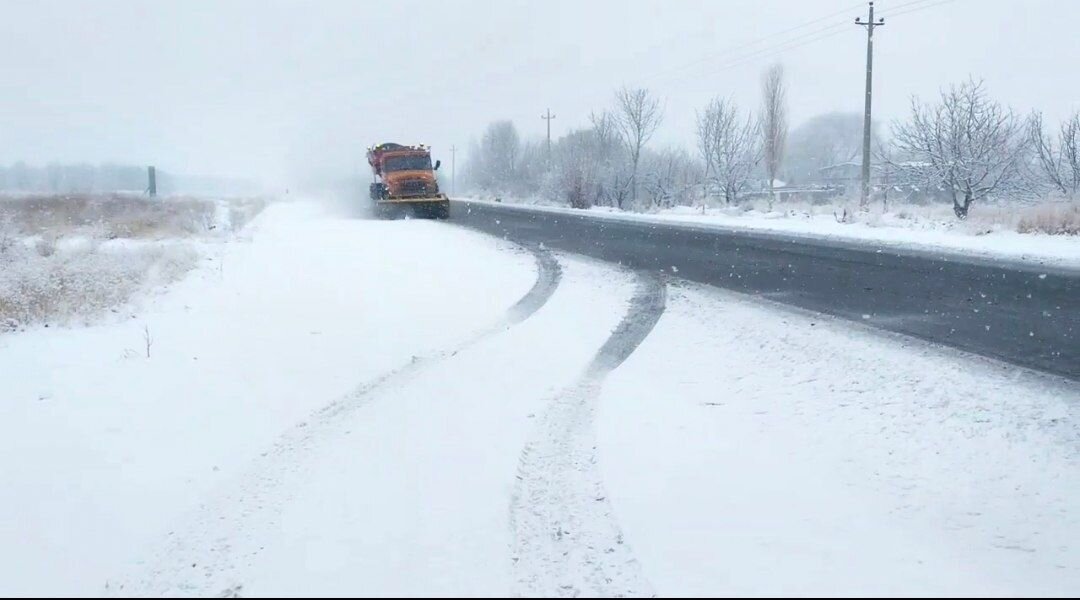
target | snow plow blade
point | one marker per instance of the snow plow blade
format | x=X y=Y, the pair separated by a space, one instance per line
x=431 y=207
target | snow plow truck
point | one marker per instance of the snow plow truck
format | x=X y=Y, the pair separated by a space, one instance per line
x=404 y=182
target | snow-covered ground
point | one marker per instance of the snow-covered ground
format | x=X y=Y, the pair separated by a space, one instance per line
x=343 y=407
x=104 y=447
x=912 y=227
x=752 y=450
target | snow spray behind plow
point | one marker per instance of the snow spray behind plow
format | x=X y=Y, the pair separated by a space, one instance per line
x=566 y=539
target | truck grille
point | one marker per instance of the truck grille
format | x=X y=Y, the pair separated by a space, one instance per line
x=413 y=188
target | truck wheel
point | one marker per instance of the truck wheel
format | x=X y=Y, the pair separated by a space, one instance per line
x=377 y=191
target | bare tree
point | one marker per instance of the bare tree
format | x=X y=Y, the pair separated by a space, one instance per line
x=610 y=179
x=604 y=126
x=1061 y=163
x=669 y=177
x=573 y=168
x=730 y=146
x=637 y=116
x=586 y=165
x=576 y=168
x=774 y=126
x=494 y=162
x=967 y=144
x=884 y=154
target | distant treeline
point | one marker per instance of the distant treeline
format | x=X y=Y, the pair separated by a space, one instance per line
x=68 y=178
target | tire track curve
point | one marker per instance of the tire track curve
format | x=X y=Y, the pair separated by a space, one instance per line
x=202 y=558
x=566 y=539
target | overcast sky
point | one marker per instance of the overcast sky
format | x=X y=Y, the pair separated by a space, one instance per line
x=276 y=90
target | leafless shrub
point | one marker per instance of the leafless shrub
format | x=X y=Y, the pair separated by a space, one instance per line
x=84 y=282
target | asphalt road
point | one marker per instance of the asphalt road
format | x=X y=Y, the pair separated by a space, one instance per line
x=1023 y=314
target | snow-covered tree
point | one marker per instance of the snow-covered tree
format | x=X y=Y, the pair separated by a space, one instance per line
x=730 y=147
x=669 y=178
x=499 y=149
x=967 y=144
x=637 y=116
x=1059 y=160
x=774 y=125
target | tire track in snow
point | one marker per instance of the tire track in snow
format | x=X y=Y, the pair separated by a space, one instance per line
x=548 y=276
x=203 y=559
x=566 y=539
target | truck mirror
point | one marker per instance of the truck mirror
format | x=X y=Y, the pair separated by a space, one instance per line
x=437 y=163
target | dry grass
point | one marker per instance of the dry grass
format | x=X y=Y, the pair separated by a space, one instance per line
x=60 y=286
x=109 y=216
x=64 y=257
x=1052 y=219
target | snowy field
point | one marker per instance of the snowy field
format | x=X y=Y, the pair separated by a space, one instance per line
x=993 y=232
x=337 y=406
x=70 y=259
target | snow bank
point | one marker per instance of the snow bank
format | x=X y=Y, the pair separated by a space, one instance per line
x=991 y=232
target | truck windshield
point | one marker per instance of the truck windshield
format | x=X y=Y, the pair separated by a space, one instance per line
x=407 y=163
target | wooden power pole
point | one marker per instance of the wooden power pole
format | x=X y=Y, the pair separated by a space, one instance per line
x=548 y=117
x=870 y=24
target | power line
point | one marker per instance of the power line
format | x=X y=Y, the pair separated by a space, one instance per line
x=778 y=49
x=826 y=32
x=739 y=47
x=887 y=10
x=917 y=9
x=751 y=50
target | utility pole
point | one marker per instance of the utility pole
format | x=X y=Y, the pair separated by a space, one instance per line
x=548 y=117
x=453 y=170
x=870 y=25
